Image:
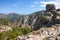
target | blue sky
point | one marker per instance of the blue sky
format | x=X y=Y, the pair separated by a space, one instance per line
x=25 y=6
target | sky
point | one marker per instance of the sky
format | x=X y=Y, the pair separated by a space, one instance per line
x=25 y=6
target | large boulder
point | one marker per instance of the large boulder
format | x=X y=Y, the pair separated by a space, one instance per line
x=50 y=7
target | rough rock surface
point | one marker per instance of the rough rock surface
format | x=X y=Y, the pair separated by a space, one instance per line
x=5 y=29
x=52 y=33
x=50 y=7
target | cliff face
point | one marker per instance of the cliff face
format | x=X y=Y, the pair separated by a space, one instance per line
x=32 y=20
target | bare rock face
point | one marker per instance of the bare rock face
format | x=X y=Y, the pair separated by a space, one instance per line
x=50 y=7
x=31 y=21
x=52 y=14
x=2 y=29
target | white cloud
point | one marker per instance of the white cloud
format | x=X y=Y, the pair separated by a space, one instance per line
x=32 y=6
x=56 y=2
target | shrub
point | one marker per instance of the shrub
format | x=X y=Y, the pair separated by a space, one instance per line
x=46 y=38
x=25 y=30
x=11 y=35
x=44 y=19
x=14 y=33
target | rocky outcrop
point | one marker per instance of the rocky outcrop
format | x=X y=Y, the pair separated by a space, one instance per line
x=51 y=8
x=3 y=29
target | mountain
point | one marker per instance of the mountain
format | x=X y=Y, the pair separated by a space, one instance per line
x=11 y=16
x=38 y=19
x=32 y=20
x=14 y=16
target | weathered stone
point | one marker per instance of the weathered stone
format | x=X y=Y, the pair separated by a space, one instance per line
x=21 y=38
x=51 y=33
x=50 y=7
x=51 y=38
x=58 y=37
x=53 y=19
x=5 y=28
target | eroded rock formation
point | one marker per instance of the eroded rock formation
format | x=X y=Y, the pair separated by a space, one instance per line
x=51 y=8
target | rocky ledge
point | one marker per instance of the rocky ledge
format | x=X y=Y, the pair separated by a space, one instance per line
x=2 y=29
x=52 y=33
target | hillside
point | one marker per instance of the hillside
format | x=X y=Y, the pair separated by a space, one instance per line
x=38 y=19
x=14 y=16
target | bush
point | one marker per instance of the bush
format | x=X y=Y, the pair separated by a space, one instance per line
x=46 y=38
x=43 y=19
x=10 y=35
x=17 y=31
x=25 y=30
